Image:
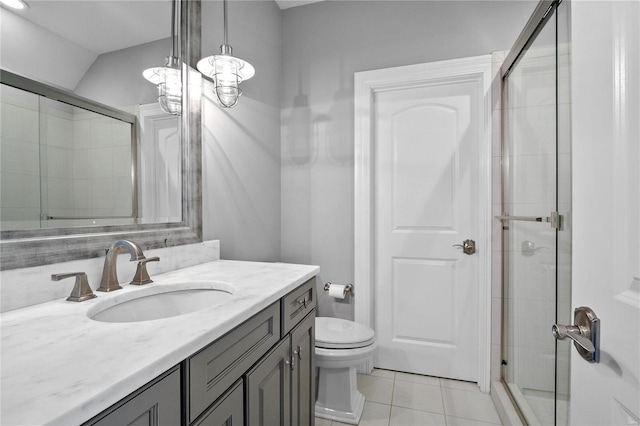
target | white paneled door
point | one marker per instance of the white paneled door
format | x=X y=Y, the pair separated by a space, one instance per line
x=606 y=221
x=427 y=180
x=161 y=162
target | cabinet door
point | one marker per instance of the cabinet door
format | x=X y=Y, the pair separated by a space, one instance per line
x=268 y=392
x=155 y=404
x=303 y=372
x=227 y=411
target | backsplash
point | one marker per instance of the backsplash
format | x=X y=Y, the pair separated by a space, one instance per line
x=20 y=288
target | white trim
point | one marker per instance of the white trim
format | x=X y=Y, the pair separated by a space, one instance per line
x=148 y=116
x=367 y=83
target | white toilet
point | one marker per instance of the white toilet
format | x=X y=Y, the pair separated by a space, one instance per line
x=341 y=346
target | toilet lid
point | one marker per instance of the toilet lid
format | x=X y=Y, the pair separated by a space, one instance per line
x=336 y=333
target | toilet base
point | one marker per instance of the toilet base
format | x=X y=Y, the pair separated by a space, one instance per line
x=337 y=388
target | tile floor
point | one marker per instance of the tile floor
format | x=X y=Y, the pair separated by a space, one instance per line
x=401 y=399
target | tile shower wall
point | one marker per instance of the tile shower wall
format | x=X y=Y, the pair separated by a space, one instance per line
x=20 y=159
x=539 y=277
x=531 y=132
x=102 y=166
x=57 y=153
x=61 y=162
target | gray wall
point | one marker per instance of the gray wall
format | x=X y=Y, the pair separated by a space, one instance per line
x=36 y=53
x=241 y=146
x=115 y=78
x=323 y=45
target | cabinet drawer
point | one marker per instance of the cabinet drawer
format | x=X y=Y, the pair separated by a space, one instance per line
x=227 y=411
x=214 y=369
x=297 y=304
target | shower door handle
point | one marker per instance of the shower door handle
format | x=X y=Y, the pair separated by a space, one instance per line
x=468 y=246
x=585 y=333
x=554 y=219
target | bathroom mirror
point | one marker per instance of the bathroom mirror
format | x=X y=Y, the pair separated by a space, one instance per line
x=67 y=161
x=24 y=248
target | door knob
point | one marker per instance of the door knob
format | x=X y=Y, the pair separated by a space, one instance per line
x=574 y=333
x=468 y=246
x=585 y=333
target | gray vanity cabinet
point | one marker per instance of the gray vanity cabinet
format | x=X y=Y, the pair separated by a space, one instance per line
x=214 y=369
x=260 y=373
x=268 y=391
x=157 y=403
x=280 y=389
x=303 y=372
x=297 y=304
x=227 y=411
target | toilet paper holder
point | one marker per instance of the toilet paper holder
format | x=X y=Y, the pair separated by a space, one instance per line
x=348 y=288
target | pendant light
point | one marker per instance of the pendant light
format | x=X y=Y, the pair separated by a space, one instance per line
x=226 y=71
x=169 y=78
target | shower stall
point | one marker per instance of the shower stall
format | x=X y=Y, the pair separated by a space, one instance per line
x=536 y=216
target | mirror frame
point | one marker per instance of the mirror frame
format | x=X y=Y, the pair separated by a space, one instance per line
x=21 y=249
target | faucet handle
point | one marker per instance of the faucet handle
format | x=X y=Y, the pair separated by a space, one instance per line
x=81 y=290
x=142 y=276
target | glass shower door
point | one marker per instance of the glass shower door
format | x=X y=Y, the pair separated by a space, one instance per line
x=536 y=219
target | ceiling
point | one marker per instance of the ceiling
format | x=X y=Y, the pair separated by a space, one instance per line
x=286 y=4
x=102 y=25
x=106 y=25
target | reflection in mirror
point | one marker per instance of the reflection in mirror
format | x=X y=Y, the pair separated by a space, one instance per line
x=94 y=48
x=104 y=59
x=167 y=154
x=64 y=165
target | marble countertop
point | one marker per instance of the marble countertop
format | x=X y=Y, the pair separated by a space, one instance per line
x=60 y=367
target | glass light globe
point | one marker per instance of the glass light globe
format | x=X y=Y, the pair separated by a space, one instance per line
x=226 y=80
x=227 y=72
x=168 y=79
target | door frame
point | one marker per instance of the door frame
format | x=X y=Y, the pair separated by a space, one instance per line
x=148 y=116
x=367 y=84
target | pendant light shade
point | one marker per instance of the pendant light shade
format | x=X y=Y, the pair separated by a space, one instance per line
x=226 y=71
x=168 y=79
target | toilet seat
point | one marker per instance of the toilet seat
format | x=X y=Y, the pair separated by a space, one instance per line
x=336 y=333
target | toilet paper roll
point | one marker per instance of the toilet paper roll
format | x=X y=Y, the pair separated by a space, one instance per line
x=337 y=291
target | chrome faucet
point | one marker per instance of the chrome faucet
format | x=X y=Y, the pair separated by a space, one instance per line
x=109 y=280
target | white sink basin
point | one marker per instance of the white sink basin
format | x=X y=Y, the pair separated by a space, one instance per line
x=161 y=301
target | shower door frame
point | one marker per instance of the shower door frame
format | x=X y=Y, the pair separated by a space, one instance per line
x=544 y=11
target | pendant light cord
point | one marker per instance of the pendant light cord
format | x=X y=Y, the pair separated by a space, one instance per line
x=174 y=40
x=224 y=6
